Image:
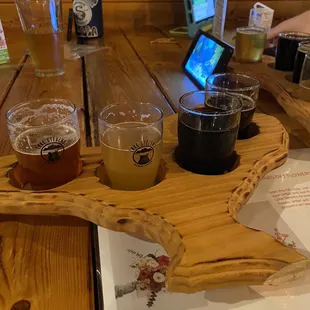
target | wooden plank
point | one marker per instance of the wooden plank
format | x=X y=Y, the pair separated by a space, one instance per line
x=135 y=14
x=44 y=260
x=7 y=77
x=162 y=60
x=121 y=77
x=8 y=72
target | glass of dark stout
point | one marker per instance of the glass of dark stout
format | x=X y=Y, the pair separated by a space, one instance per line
x=45 y=137
x=287 y=48
x=207 y=131
x=246 y=88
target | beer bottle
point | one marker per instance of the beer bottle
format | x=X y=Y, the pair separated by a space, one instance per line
x=88 y=18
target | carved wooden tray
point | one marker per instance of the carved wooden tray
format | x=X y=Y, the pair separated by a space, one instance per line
x=191 y=216
x=289 y=95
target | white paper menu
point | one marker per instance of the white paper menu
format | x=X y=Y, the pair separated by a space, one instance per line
x=134 y=269
x=280 y=205
x=219 y=19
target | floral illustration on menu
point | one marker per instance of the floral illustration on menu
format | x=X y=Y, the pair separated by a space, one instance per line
x=150 y=276
x=282 y=237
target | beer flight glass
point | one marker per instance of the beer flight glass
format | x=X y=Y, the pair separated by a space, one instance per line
x=131 y=138
x=45 y=137
x=250 y=43
x=208 y=126
x=244 y=86
x=287 y=48
x=43 y=28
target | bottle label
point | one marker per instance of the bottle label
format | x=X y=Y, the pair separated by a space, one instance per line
x=85 y=18
x=4 y=53
x=261 y=16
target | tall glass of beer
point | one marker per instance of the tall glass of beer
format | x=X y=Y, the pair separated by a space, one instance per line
x=45 y=136
x=250 y=42
x=43 y=27
x=131 y=138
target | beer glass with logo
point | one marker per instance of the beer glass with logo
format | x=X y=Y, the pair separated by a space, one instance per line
x=45 y=136
x=43 y=27
x=131 y=138
x=207 y=131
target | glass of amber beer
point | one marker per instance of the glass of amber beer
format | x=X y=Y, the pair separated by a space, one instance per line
x=45 y=136
x=131 y=138
x=43 y=27
x=250 y=43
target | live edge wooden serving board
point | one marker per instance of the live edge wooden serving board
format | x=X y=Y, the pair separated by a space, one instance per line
x=192 y=216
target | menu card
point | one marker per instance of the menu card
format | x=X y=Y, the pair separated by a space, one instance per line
x=280 y=205
x=133 y=268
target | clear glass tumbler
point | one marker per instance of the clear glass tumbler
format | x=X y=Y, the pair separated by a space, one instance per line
x=250 y=43
x=304 y=84
x=45 y=136
x=207 y=131
x=131 y=138
x=43 y=27
x=244 y=86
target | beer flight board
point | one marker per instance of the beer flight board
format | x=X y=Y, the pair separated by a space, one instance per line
x=194 y=217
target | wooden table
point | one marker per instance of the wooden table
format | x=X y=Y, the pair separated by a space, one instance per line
x=49 y=262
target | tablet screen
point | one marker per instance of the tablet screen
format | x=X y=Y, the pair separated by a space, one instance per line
x=203 y=59
x=202 y=9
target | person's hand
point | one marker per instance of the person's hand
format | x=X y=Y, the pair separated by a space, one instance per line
x=298 y=23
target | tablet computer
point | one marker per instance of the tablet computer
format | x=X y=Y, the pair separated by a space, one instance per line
x=207 y=55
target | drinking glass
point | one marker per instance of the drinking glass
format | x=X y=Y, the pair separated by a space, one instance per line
x=207 y=131
x=244 y=86
x=304 y=84
x=131 y=138
x=287 y=48
x=250 y=43
x=43 y=27
x=45 y=137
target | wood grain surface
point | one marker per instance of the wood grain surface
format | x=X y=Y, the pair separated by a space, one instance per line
x=208 y=248
x=8 y=72
x=147 y=12
x=286 y=92
x=44 y=261
x=121 y=77
x=129 y=14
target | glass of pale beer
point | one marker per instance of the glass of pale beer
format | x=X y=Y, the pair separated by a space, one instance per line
x=45 y=137
x=131 y=138
x=43 y=27
x=250 y=43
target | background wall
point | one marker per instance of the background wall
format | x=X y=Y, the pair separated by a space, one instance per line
x=164 y=12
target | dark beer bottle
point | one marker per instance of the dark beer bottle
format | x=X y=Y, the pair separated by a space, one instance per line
x=88 y=18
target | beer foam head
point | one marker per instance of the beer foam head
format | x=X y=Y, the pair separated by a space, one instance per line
x=33 y=140
x=45 y=114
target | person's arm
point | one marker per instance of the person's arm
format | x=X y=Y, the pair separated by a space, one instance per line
x=298 y=23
